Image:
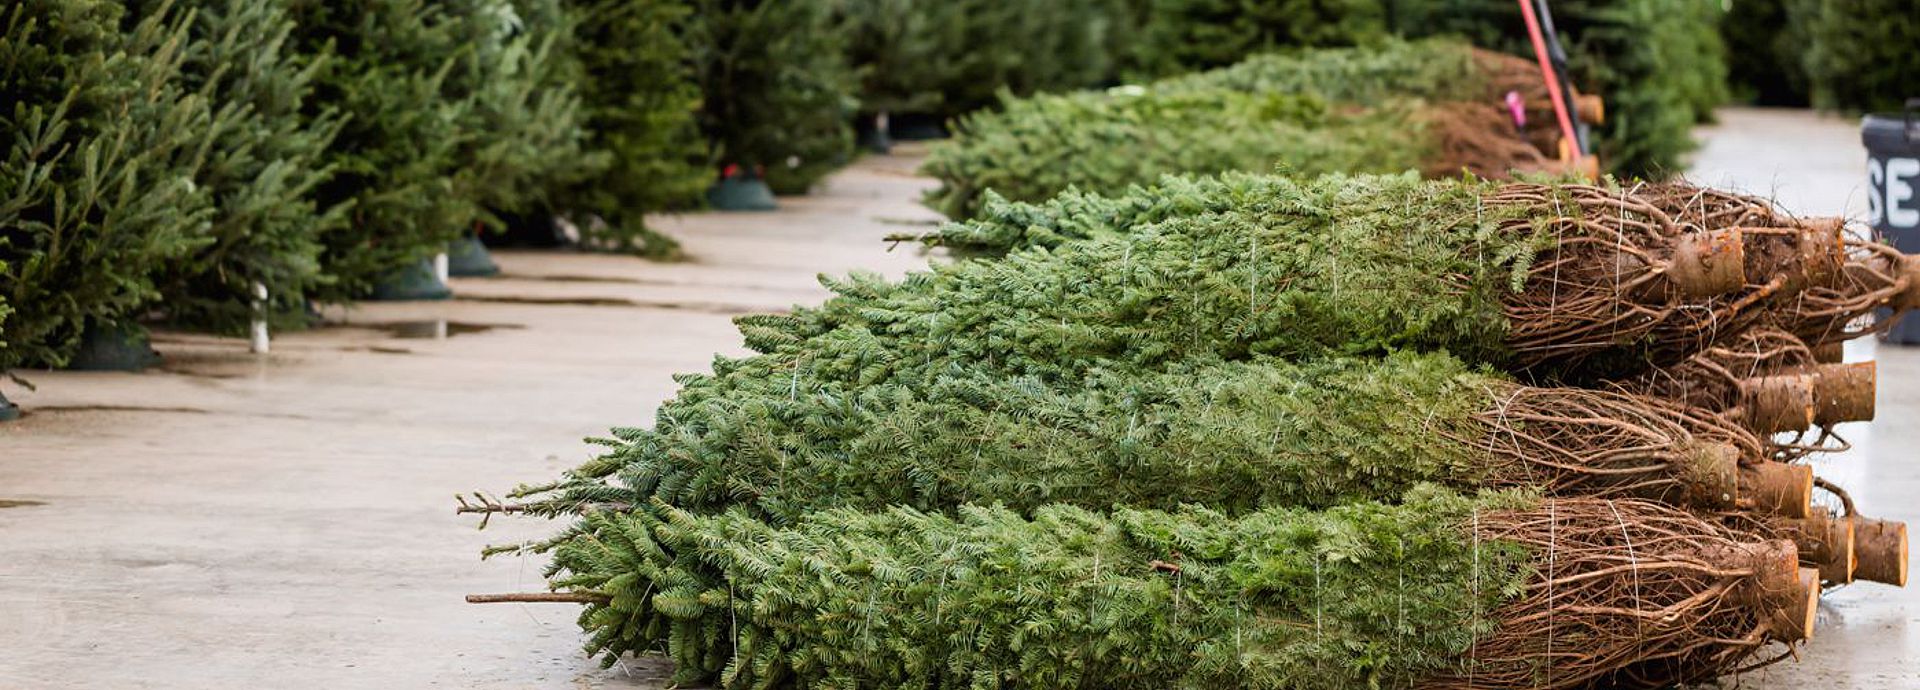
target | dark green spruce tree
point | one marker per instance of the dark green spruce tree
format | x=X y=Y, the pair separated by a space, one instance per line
x=98 y=177
x=524 y=133
x=777 y=90
x=396 y=159
x=262 y=170
x=1859 y=54
x=634 y=71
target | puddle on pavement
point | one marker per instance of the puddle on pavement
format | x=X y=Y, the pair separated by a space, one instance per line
x=565 y=301
x=116 y=408
x=703 y=307
x=433 y=329
x=19 y=503
x=179 y=369
x=581 y=279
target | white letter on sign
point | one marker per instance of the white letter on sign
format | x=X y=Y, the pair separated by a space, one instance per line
x=1876 y=174
x=1899 y=189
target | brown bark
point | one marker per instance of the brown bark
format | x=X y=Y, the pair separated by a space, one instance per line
x=1775 y=488
x=1776 y=403
x=1880 y=551
x=1709 y=264
x=1843 y=392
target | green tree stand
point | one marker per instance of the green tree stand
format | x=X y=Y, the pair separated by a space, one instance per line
x=468 y=258
x=414 y=282
x=117 y=347
x=741 y=193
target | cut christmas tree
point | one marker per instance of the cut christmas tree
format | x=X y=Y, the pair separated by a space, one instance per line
x=262 y=171
x=1232 y=436
x=105 y=142
x=1434 y=106
x=1501 y=591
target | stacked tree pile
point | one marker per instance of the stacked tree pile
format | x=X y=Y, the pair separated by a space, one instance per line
x=1259 y=432
x=1436 y=106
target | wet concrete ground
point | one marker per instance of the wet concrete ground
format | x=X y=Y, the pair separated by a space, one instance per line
x=238 y=521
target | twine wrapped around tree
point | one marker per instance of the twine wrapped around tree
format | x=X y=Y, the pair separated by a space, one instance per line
x=1772 y=382
x=1559 y=281
x=1876 y=277
x=1440 y=591
x=1233 y=436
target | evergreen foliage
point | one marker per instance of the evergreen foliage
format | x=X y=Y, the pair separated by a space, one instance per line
x=1659 y=64
x=887 y=378
x=1105 y=142
x=1359 y=595
x=949 y=57
x=634 y=71
x=397 y=157
x=1292 y=268
x=1177 y=36
x=1764 y=52
x=261 y=171
x=97 y=182
x=525 y=133
x=1397 y=105
x=777 y=90
x=642 y=147
x=1233 y=436
x=1859 y=54
x=1428 y=68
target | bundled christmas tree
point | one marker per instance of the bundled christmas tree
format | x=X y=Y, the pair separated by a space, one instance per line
x=105 y=144
x=1556 y=280
x=1232 y=436
x=1660 y=65
x=1500 y=591
x=261 y=172
x=777 y=91
x=1432 y=106
x=633 y=69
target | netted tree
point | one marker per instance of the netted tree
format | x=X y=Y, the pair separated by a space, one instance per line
x=1233 y=436
x=1428 y=105
x=1445 y=591
x=97 y=182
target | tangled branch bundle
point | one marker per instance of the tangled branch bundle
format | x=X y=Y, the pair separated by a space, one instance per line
x=1441 y=591
x=1232 y=436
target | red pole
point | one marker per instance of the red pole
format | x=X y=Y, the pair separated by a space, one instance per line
x=1569 y=141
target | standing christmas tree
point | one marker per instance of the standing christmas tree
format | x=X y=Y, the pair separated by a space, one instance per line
x=98 y=174
x=261 y=171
